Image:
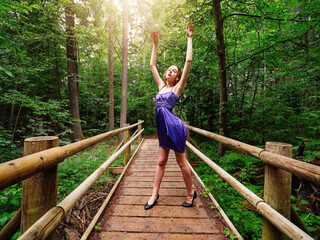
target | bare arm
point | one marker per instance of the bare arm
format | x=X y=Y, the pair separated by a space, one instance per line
x=153 y=61
x=183 y=80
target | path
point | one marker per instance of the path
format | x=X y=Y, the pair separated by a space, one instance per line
x=125 y=217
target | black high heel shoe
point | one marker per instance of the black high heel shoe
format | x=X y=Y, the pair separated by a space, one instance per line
x=185 y=204
x=147 y=206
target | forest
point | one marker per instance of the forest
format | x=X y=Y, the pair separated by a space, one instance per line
x=78 y=68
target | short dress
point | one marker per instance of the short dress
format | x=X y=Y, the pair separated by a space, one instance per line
x=172 y=133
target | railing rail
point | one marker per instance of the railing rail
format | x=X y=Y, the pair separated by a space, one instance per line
x=283 y=224
x=48 y=222
x=304 y=170
x=14 y=171
x=20 y=169
x=28 y=169
x=301 y=169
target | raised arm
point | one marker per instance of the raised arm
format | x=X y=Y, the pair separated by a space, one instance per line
x=153 y=61
x=183 y=80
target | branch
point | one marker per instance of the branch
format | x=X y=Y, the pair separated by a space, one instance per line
x=200 y=8
x=262 y=50
x=270 y=18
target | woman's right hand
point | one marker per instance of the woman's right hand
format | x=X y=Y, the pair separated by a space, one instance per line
x=154 y=36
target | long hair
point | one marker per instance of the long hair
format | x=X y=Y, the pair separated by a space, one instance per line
x=178 y=75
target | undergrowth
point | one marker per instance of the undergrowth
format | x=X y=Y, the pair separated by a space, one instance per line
x=71 y=173
x=247 y=170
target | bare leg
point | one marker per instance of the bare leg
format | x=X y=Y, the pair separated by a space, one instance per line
x=186 y=173
x=163 y=159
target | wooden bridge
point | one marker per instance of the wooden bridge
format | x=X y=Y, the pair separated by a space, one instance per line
x=125 y=217
x=122 y=215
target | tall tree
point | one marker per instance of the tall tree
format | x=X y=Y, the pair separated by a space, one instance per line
x=123 y=115
x=111 y=85
x=72 y=69
x=222 y=72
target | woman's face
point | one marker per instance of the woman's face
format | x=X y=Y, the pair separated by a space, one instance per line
x=172 y=74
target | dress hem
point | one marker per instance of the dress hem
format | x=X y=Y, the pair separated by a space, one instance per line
x=171 y=149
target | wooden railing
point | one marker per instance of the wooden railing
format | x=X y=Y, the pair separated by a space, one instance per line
x=28 y=166
x=23 y=168
x=272 y=216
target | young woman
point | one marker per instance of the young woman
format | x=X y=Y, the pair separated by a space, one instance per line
x=172 y=133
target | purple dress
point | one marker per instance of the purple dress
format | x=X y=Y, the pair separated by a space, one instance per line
x=172 y=133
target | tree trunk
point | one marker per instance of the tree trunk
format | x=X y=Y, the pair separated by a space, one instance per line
x=111 y=85
x=11 y=116
x=17 y=77
x=72 y=68
x=222 y=73
x=123 y=115
x=16 y=123
x=57 y=68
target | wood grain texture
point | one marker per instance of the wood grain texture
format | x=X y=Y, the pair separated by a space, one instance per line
x=125 y=217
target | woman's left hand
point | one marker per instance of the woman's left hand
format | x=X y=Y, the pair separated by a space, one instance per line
x=190 y=30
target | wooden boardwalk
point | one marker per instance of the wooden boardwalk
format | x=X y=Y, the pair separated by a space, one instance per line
x=125 y=217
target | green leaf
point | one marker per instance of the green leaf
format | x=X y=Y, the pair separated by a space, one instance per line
x=303 y=202
x=16 y=202
x=6 y=72
x=3 y=200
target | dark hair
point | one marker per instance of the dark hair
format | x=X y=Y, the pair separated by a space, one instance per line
x=178 y=75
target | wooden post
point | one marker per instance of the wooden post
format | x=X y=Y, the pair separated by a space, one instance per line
x=39 y=192
x=277 y=190
x=139 y=129
x=188 y=156
x=127 y=150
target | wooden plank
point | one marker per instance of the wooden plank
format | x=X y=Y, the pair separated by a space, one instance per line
x=163 y=201
x=125 y=217
x=159 y=211
x=154 y=158
x=152 y=164
x=157 y=236
x=148 y=192
x=160 y=225
x=145 y=174
x=151 y=179
x=146 y=169
x=149 y=184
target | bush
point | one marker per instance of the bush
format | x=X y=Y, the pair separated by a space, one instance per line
x=8 y=149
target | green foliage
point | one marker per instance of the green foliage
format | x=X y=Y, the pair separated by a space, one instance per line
x=75 y=169
x=10 y=202
x=8 y=149
x=243 y=167
x=248 y=223
x=229 y=233
x=312 y=149
x=98 y=226
x=43 y=118
x=6 y=72
x=71 y=173
x=310 y=219
x=272 y=56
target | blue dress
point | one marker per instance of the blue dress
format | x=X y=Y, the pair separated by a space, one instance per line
x=172 y=133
